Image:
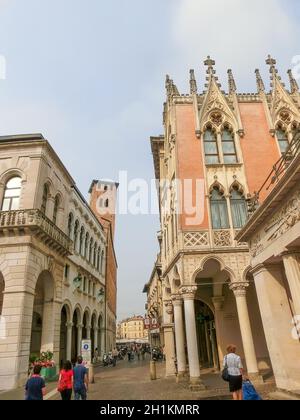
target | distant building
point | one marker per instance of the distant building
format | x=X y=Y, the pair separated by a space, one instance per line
x=54 y=260
x=132 y=329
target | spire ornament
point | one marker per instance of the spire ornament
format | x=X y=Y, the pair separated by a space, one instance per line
x=259 y=81
x=193 y=83
x=273 y=71
x=231 y=82
x=293 y=82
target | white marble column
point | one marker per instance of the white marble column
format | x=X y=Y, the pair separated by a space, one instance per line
x=88 y=332
x=79 y=338
x=218 y=302
x=179 y=335
x=169 y=339
x=239 y=289
x=188 y=293
x=69 y=326
x=291 y=262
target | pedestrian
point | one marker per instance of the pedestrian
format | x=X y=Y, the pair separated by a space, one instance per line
x=129 y=355
x=232 y=362
x=35 y=388
x=81 y=380
x=115 y=356
x=138 y=353
x=65 y=382
x=96 y=355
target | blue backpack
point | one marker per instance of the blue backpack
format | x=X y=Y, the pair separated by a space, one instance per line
x=250 y=393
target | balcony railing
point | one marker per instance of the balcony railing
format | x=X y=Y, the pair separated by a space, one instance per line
x=36 y=223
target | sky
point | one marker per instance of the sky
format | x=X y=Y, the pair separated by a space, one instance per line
x=89 y=75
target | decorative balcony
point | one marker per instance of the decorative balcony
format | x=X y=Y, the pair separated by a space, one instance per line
x=34 y=222
x=203 y=240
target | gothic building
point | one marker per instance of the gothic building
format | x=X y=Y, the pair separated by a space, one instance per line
x=54 y=262
x=217 y=149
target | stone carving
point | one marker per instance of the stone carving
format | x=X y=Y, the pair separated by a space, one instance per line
x=255 y=246
x=188 y=291
x=196 y=239
x=50 y=263
x=239 y=289
x=285 y=219
x=222 y=238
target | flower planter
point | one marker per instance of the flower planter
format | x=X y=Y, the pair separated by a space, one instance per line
x=49 y=373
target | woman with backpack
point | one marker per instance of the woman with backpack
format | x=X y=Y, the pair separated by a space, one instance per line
x=65 y=383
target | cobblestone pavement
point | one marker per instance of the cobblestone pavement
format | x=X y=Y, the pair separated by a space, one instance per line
x=131 y=381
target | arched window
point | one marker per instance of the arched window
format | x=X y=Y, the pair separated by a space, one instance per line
x=238 y=208
x=45 y=198
x=282 y=140
x=107 y=203
x=219 y=210
x=98 y=259
x=81 y=241
x=94 y=255
x=12 y=194
x=211 y=147
x=228 y=147
x=70 y=225
x=86 y=246
x=56 y=207
x=102 y=262
x=76 y=233
x=91 y=250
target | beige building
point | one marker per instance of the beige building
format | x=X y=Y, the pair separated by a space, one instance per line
x=132 y=329
x=154 y=305
x=218 y=148
x=52 y=260
x=273 y=234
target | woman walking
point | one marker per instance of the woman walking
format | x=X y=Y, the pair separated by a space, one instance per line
x=65 y=384
x=232 y=362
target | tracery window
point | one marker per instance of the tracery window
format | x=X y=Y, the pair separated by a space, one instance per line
x=282 y=140
x=238 y=208
x=228 y=147
x=219 y=210
x=211 y=147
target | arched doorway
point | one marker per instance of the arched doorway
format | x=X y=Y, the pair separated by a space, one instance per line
x=86 y=326
x=2 y=287
x=76 y=320
x=206 y=334
x=93 y=337
x=42 y=331
x=64 y=319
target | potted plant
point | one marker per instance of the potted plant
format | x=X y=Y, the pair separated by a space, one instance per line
x=45 y=360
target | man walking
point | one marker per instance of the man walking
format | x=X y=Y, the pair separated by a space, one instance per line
x=81 y=380
x=115 y=356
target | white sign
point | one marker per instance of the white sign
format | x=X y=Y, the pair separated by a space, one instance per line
x=86 y=351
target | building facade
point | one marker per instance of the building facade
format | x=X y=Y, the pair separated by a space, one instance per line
x=217 y=149
x=132 y=329
x=103 y=195
x=53 y=261
x=154 y=305
x=273 y=234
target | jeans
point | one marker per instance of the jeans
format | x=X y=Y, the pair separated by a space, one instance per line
x=80 y=394
x=66 y=395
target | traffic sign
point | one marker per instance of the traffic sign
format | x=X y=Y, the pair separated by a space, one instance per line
x=86 y=351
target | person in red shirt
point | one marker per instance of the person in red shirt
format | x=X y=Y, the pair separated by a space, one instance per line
x=65 y=384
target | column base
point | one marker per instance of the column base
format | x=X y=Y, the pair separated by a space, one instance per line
x=181 y=377
x=256 y=378
x=196 y=385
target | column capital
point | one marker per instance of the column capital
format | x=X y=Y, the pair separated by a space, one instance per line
x=291 y=253
x=80 y=326
x=218 y=302
x=169 y=306
x=177 y=300
x=188 y=292
x=69 y=325
x=239 y=288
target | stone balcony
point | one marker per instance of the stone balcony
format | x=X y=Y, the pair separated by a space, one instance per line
x=34 y=222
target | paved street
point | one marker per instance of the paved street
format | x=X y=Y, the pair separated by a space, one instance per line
x=131 y=381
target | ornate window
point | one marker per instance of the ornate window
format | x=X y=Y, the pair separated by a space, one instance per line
x=94 y=255
x=282 y=139
x=81 y=242
x=12 y=194
x=211 y=147
x=219 y=210
x=45 y=198
x=76 y=232
x=56 y=207
x=238 y=208
x=228 y=147
x=86 y=246
x=98 y=259
x=102 y=262
x=70 y=225
x=91 y=251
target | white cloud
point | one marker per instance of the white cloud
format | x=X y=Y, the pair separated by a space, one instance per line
x=237 y=34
